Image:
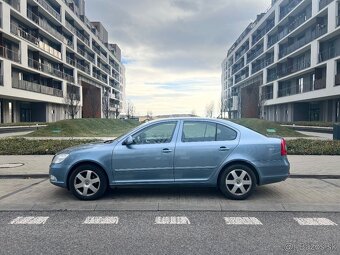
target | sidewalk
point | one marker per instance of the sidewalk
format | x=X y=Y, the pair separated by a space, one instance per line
x=300 y=165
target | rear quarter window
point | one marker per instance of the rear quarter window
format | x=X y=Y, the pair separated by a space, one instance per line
x=224 y=133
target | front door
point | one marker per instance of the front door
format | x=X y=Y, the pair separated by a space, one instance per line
x=202 y=148
x=150 y=158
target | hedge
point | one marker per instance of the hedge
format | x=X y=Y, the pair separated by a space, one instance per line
x=22 y=146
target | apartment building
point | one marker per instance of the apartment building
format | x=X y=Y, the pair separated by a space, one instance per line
x=285 y=66
x=53 y=59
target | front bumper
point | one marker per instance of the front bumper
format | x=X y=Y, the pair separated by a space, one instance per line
x=58 y=175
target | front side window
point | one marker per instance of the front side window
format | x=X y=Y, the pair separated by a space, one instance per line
x=159 y=133
x=206 y=132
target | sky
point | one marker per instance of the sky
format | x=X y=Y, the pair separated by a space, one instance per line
x=173 y=49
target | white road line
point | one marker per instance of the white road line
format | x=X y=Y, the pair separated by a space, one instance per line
x=242 y=221
x=173 y=220
x=29 y=220
x=315 y=222
x=101 y=220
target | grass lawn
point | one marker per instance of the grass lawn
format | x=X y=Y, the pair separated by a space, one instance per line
x=86 y=128
x=261 y=126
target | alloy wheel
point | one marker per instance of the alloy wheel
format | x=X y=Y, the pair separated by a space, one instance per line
x=238 y=182
x=87 y=183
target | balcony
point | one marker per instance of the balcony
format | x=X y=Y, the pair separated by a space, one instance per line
x=48 y=69
x=49 y=9
x=82 y=37
x=288 y=8
x=264 y=31
x=337 y=79
x=14 y=3
x=328 y=54
x=288 y=91
x=267 y=95
x=320 y=83
x=294 y=68
x=85 y=54
x=45 y=25
x=324 y=3
x=9 y=54
x=320 y=30
x=70 y=27
x=241 y=77
x=35 y=87
x=70 y=61
x=241 y=52
x=298 y=21
x=264 y=63
x=99 y=77
x=83 y=68
x=103 y=67
x=31 y=38
x=272 y=40
x=255 y=55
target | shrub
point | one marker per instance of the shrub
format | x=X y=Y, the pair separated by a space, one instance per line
x=313 y=147
x=21 y=146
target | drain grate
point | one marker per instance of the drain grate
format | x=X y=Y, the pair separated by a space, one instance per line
x=11 y=165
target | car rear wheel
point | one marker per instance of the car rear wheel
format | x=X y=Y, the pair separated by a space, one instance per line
x=88 y=182
x=237 y=182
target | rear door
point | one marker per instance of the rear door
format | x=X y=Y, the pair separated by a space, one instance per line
x=201 y=149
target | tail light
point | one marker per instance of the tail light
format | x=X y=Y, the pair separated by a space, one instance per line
x=283 y=147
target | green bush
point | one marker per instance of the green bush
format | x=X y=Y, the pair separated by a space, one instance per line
x=21 y=146
x=313 y=147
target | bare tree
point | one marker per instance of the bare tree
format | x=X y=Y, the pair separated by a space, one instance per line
x=222 y=108
x=130 y=110
x=106 y=103
x=149 y=115
x=72 y=101
x=209 y=110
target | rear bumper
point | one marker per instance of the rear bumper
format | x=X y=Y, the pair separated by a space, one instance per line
x=273 y=171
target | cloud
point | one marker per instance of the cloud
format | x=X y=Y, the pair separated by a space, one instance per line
x=173 y=49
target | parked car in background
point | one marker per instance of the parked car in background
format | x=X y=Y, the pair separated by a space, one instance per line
x=175 y=151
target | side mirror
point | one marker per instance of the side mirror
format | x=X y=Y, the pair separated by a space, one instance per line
x=128 y=141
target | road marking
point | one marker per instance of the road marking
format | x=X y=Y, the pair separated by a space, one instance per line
x=242 y=221
x=101 y=220
x=29 y=220
x=173 y=220
x=315 y=222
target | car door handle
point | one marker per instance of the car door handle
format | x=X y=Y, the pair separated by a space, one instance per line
x=166 y=150
x=223 y=148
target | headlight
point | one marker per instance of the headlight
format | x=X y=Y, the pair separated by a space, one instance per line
x=59 y=158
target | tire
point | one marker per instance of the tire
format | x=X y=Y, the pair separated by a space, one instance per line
x=237 y=182
x=88 y=182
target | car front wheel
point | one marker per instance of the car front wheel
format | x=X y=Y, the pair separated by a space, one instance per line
x=237 y=182
x=88 y=182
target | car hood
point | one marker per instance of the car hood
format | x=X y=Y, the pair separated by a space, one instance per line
x=89 y=146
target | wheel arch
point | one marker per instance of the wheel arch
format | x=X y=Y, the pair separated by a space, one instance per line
x=239 y=162
x=85 y=162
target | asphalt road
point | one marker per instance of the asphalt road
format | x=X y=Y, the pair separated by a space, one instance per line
x=142 y=233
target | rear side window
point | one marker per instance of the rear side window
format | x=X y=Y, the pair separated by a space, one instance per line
x=206 y=132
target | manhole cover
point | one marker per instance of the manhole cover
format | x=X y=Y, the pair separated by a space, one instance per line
x=11 y=165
